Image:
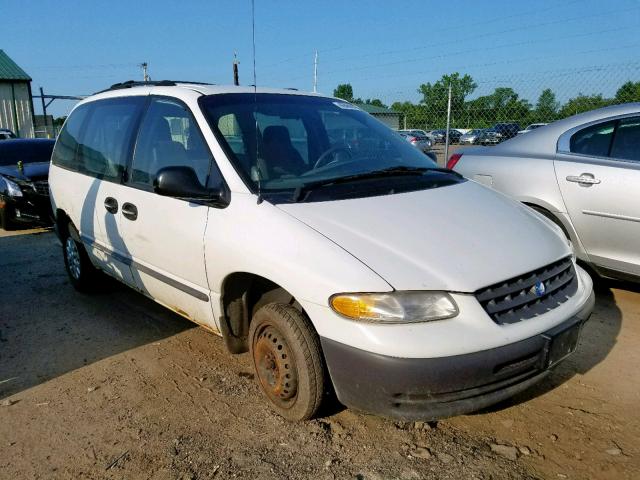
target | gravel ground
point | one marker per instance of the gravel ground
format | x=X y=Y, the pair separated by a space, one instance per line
x=112 y=385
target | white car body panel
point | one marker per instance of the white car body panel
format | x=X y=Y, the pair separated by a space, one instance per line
x=266 y=241
x=607 y=214
x=421 y=241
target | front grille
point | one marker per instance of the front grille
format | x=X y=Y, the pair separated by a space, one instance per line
x=516 y=299
x=41 y=187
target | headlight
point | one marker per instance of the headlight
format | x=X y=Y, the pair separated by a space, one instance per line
x=13 y=189
x=394 y=307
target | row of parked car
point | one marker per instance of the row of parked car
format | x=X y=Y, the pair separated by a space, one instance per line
x=478 y=136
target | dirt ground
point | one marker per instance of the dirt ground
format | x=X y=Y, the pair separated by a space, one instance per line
x=111 y=385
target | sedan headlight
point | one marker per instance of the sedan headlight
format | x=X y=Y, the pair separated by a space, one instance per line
x=13 y=189
x=394 y=307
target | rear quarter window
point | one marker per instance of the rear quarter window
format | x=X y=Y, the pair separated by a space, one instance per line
x=64 y=153
x=594 y=140
x=105 y=141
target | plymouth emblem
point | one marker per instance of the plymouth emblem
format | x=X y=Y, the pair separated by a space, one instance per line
x=538 y=289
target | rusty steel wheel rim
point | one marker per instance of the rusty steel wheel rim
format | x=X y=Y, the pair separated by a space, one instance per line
x=275 y=366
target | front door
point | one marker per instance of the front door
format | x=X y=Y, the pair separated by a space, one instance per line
x=164 y=236
x=599 y=178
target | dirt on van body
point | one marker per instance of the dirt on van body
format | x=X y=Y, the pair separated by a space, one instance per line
x=112 y=385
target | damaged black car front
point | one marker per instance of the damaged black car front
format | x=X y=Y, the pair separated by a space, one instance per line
x=24 y=187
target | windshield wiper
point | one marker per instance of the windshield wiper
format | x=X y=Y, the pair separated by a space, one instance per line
x=401 y=171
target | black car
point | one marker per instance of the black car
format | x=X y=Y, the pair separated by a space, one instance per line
x=498 y=133
x=24 y=189
x=440 y=136
x=6 y=134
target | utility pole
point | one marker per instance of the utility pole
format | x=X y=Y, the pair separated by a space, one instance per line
x=446 y=143
x=315 y=73
x=145 y=74
x=236 y=79
x=44 y=110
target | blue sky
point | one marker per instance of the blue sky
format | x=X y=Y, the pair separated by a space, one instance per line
x=384 y=49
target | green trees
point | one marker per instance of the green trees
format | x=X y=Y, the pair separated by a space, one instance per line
x=376 y=102
x=629 y=92
x=546 y=108
x=583 y=103
x=435 y=97
x=344 y=91
x=503 y=105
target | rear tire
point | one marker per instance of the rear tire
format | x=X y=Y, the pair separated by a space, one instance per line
x=82 y=274
x=287 y=359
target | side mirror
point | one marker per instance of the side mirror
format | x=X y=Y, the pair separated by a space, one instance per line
x=182 y=182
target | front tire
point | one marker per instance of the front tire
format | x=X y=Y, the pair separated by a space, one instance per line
x=288 y=360
x=5 y=221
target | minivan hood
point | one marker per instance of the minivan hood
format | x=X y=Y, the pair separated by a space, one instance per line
x=458 y=238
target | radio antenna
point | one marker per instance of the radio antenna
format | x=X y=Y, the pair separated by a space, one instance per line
x=255 y=99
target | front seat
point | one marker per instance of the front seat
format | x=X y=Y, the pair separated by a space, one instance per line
x=280 y=156
x=164 y=150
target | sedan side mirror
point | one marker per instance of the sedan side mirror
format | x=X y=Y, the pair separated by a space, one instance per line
x=182 y=182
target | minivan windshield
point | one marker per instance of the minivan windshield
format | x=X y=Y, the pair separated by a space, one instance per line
x=282 y=142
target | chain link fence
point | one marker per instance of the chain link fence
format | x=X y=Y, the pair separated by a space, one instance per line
x=477 y=108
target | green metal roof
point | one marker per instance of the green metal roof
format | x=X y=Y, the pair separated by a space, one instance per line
x=375 y=109
x=9 y=70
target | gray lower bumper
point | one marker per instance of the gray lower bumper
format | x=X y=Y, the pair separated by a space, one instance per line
x=433 y=388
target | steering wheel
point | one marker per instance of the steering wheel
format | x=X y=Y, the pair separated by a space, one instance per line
x=322 y=158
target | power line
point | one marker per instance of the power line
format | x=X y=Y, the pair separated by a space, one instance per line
x=488 y=34
x=470 y=24
x=466 y=51
x=85 y=67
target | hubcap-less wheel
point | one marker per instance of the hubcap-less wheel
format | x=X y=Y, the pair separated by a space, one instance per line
x=275 y=366
x=73 y=257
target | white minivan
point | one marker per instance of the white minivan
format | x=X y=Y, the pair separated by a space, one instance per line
x=303 y=230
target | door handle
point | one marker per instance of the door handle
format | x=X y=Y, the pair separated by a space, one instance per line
x=129 y=210
x=111 y=205
x=583 y=178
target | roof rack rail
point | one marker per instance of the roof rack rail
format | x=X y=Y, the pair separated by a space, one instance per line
x=149 y=83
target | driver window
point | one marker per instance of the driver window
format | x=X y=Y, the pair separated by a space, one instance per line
x=626 y=142
x=168 y=137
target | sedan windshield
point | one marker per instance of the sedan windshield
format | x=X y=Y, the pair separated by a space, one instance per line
x=282 y=142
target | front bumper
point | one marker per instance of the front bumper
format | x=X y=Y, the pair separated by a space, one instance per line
x=433 y=388
x=30 y=208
